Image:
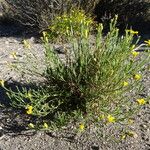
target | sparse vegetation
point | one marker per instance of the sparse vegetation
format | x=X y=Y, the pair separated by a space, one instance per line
x=93 y=79
x=39 y=14
x=93 y=82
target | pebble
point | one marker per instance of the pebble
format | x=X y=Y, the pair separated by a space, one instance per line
x=7 y=42
x=143 y=126
x=32 y=40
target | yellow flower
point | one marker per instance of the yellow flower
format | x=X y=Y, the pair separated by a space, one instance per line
x=141 y=101
x=81 y=127
x=132 y=31
x=29 y=110
x=45 y=126
x=14 y=55
x=147 y=42
x=137 y=77
x=135 y=54
x=26 y=44
x=31 y=125
x=2 y=83
x=125 y=83
x=110 y=119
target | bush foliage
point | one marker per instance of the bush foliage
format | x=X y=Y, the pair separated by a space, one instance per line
x=62 y=26
x=40 y=13
x=130 y=12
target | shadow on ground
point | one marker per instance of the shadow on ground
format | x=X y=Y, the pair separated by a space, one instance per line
x=15 y=121
x=12 y=120
x=9 y=28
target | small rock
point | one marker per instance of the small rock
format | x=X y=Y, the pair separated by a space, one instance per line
x=143 y=126
x=95 y=147
x=32 y=39
x=15 y=41
x=59 y=50
x=7 y=42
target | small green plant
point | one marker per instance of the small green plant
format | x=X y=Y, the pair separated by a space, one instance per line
x=71 y=24
x=92 y=83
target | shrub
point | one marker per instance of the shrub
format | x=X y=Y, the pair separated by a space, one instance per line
x=63 y=25
x=39 y=13
x=4 y=17
x=130 y=12
x=93 y=83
